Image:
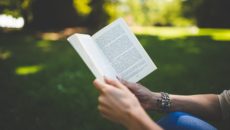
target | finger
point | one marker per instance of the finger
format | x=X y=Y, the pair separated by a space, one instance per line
x=103 y=102
x=103 y=87
x=102 y=112
x=104 y=109
x=99 y=84
x=125 y=82
x=114 y=83
x=105 y=113
x=129 y=85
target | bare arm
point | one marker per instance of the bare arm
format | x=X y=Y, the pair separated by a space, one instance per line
x=203 y=105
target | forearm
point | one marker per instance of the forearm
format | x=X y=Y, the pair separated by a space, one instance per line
x=205 y=105
x=139 y=120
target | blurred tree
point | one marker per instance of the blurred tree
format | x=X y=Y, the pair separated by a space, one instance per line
x=110 y=7
x=26 y=12
x=17 y=8
x=153 y=12
x=208 y=13
x=53 y=14
x=98 y=17
x=204 y=13
x=10 y=7
x=82 y=7
x=57 y=14
x=189 y=7
x=214 y=13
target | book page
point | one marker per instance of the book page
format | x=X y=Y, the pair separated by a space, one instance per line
x=91 y=55
x=124 y=52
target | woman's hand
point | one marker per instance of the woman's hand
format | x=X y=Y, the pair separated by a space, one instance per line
x=118 y=104
x=146 y=97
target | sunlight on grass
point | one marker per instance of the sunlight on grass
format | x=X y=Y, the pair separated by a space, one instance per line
x=221 y=36
x=43 y=44
x=26 y=70
x=216 y=34
x=5 y=55
x=50 y=36
x=165 y=33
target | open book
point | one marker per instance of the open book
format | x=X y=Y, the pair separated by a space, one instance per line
x=114 y=51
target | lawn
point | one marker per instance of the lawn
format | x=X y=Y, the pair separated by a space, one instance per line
x=45 y=85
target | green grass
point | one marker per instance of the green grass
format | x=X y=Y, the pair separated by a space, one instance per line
x=183 y=32
x=45 y=85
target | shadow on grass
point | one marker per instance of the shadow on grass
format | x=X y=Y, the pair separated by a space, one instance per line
x=60 y=94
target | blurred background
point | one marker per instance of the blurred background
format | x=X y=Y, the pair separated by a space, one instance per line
x=44 y=84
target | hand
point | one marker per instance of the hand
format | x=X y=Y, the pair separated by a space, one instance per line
x=118 y=104
x=144 y=95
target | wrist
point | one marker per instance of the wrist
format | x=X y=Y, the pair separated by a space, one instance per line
x=153 y=101
x=133 y=116
x=164 y=102
x=177 y=103
x=139 y=120
x=161 y=102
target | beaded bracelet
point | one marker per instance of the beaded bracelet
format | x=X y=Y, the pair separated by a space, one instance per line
x=164 y=102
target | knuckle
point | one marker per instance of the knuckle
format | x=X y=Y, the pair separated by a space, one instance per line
x=100 y=99
x=103 y=115
x=114 y=81
x=95 y=82
x=125 y=82
x=99 y=108
x=106 y=90
x=117 y=82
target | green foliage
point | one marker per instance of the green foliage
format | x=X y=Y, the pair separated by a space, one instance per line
x=111 y=8
x=14 y=13
x=150 y=12
x=26 y=4
x=11 y=7
x=15 y=7
x=190 y=7
x=82 y=7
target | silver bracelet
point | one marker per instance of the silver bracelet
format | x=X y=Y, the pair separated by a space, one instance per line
x=164 y=102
